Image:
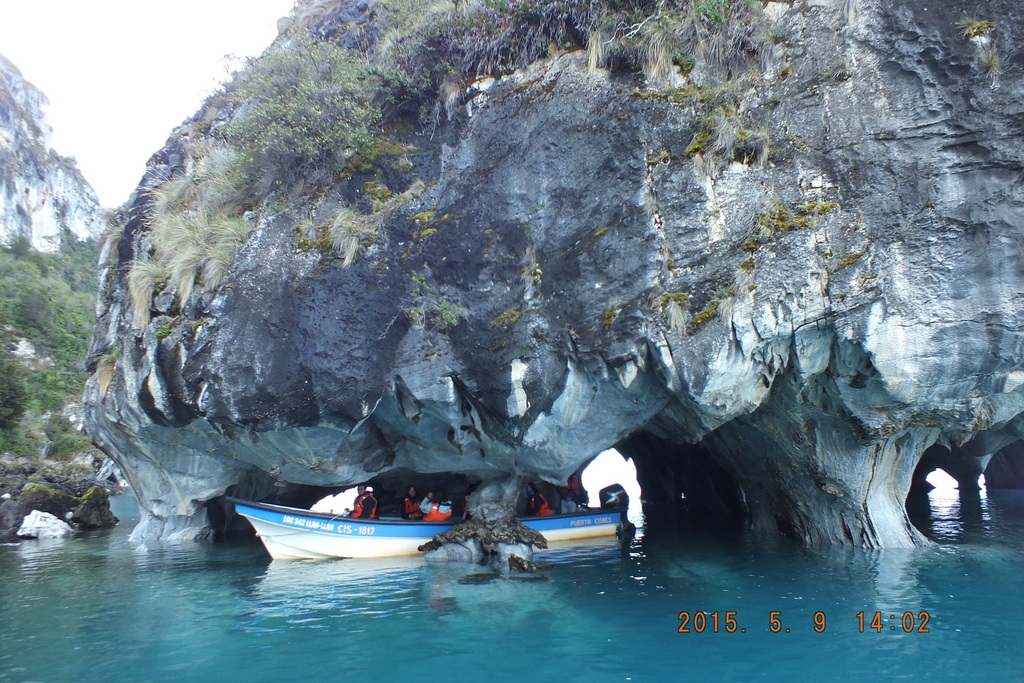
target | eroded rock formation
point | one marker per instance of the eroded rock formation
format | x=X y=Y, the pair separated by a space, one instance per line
x=580 y=273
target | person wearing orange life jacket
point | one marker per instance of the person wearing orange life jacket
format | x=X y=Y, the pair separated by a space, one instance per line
x=411 y=505
x=440 y=509
x=365 y=505
x=536 y=503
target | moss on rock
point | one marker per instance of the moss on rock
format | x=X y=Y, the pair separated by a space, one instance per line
x=46 y=499
x=93 y=510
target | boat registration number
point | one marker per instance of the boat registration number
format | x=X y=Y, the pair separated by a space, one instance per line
x=330 y=527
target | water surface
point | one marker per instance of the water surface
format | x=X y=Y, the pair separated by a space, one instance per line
x=95 y=608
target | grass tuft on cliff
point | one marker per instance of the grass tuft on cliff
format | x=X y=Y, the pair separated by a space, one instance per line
x=195 y=230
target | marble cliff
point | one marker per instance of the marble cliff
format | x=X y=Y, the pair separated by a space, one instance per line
x=43 y=196
x=777 y=284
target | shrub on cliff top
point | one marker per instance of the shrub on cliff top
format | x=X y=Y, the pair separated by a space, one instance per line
x=728 y=36
x=305 y=106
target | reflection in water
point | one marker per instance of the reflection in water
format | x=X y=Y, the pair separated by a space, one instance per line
x=897 y=588
x=304 y=593
x=958 y=516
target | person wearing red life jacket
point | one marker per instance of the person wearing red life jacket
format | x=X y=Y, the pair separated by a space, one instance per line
x=536 y=503
x=365 y=505
x=411 y=505
x=440 y=509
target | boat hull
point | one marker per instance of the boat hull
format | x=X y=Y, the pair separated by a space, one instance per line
x=292 y=533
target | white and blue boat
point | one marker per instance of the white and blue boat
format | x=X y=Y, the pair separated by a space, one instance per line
x=293 y=533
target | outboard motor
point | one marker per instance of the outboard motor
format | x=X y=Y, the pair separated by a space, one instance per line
x=613 y=497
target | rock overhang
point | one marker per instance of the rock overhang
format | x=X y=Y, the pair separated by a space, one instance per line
x=833 y=341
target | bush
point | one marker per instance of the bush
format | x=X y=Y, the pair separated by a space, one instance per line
x=64 y=439
x=14 y=396
x=305 y=106
x=48 y=300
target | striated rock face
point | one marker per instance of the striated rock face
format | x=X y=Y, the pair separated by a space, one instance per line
x=42 y=195
x=790 y=337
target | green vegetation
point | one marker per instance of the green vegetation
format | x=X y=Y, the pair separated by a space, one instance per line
x=379 y=153
x=850 y=260
x=425 y=217
x=426 y=49
x=699 y=143
x=429 y=307
x=447 y=314
x=723 y=133
x=309 y=238
x=305 y=109
x=709 y=313
x=351 y=232
x=726 y=35
x=64 y=439
x=681 y=298
x=164 y=331
x=47 y=300
x=507 y=319
x=598 y=234
x=780 y=218
x=971 y=26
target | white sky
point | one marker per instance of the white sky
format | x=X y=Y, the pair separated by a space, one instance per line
x=121 y=74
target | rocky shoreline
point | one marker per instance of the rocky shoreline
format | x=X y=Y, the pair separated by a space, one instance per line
x=77 y=491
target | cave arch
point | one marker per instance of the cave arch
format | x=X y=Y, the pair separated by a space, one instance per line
x=1005 y=469
x=964 y=466
x=681 y=482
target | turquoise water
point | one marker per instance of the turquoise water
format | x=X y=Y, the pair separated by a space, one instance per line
x=97 y=609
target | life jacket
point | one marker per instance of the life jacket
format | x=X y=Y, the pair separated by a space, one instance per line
x=365 y=507
x=411 y=509
x=538 y=505
x=436 y=515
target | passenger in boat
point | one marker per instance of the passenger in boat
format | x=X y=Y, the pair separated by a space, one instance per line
x=440 y=509
x=427 y=504
x=536 y=503
x=573 y=495
x=365 y=505
x=411 y=505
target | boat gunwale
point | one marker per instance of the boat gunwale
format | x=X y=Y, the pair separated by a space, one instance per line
x=333 y=517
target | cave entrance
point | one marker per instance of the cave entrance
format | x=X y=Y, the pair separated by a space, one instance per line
x=949 y=495
x=608 y=468
x=683 y=485
x=949 y=510
x=1006 y=468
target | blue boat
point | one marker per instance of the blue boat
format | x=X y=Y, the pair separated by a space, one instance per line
x=293 y=533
